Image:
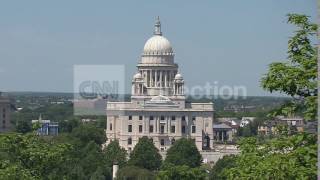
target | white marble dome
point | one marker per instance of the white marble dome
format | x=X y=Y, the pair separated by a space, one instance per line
x=157 y=45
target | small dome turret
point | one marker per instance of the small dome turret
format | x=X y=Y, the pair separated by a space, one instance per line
x=137 y=76
x=178 y=76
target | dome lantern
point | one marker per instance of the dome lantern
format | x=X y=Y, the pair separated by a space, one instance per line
x=157 y=27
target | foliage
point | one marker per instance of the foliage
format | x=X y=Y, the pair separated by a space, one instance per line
x=217 y=172
x=34 y=157
x=115 y=154
x=298 y=76
x=135 y=173
x=88 y=132
x=23 y=126
x=12 y=171
x=145 y=155
x=285 y=157
x=184 y=152
x=173 y=172
x=250 y=129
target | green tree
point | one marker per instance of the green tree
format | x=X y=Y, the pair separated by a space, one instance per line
x=284 y=157
x=13 y=171
x=298 y=76
x=135 y=173
x=115 y=154
x=184 y=152
x=217 y=172
x=34 y=156
x=88 y=132
x=91 y=157
x=23 y=126
x=145 y=155
x=173 y=172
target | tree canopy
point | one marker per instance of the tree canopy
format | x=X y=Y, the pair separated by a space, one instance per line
x=115 y=154
x=173 y=172
x=145 y=155
x=297 y=77
x=184 y=152
x=284 y=157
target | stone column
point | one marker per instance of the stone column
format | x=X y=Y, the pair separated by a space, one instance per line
x=150 y=78
x=178 y=126
x=146 y=128
x=169 y=123
x=165 y=78
x=160 y=78
x=147 y=78
x=155 y=129
x=222 y=134
x=156 y=78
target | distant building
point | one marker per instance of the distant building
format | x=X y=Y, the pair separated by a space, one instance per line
x=90 y=106
x=246 y=120
x=222 y=133
x=5 y=113
x=270 y=127
x=47 y=128
x=239 y=108
x=233 y=122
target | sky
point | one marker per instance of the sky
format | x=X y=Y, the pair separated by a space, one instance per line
x=229 y=42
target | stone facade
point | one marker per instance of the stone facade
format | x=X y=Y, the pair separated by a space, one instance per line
x=158 y=107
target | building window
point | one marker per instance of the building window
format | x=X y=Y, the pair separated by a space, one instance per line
x=151 y=128
x=173 y=129
x=162 y=142
x=140 y=117
x=3 y=121
x=129 y=141
x=129 y=128
x=183 y=118
x=193 y=118
x=183 y=129
x=110 y=127
x=173 y=118
x=151 y=118
x=162 y=129
x=193 y=129
x=130 y=117
x=140 y=128
x=162 y=118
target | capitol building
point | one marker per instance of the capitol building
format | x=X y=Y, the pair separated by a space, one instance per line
x=158 y=107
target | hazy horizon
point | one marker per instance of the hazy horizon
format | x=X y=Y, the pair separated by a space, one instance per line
x=231 y=42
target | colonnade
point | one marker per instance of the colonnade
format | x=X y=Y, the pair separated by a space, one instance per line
x=158 y=78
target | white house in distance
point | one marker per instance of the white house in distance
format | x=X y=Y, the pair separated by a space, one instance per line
x=158 y=107
x=246 y=120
